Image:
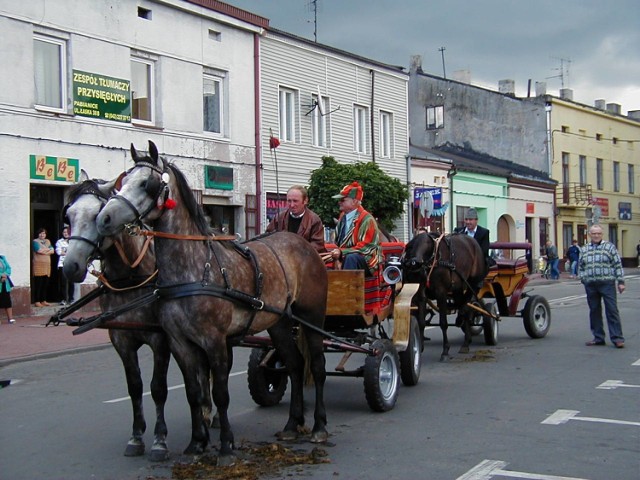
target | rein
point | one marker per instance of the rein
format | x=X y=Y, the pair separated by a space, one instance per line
x=433 y=258
x=133 y=230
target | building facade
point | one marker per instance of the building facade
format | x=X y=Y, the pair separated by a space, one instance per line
x=82 y=84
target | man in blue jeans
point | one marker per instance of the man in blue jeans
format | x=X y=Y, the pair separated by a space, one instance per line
x=600 y=268
x=552 y=259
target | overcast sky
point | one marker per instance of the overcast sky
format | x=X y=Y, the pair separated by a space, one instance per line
x=598 y=42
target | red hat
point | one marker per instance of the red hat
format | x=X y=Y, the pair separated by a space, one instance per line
x=353 y=190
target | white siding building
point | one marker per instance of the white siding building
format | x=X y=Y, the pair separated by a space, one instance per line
x=362 y=114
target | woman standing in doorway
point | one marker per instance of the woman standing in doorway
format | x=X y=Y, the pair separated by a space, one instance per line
x=42 y=252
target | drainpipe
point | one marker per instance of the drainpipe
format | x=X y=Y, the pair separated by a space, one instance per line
x=410 y=199
x=373 y=143
x=257 y=128
x=547 y=109
x=450 y=174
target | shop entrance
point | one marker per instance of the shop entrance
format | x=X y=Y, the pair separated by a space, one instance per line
x=46 y=212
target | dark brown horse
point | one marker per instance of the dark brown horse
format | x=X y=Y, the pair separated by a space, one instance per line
x=123 y=270
x=449 y=270
x=215 y=291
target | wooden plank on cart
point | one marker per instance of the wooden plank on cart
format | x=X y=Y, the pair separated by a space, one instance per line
x=346 y=292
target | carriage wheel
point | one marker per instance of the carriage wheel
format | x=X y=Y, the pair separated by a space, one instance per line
x=266 y=384
x=411 y=358
x=477 y=321
x=381 y=376
x=536 y=316
x=490 y=324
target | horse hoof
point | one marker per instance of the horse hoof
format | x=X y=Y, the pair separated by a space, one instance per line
x=135 y=448
x=226 y=460
x=463 y=350
x=445 y=358
x=195 y=448
x=159 y=453
x=215 y=422
x=287 y=435
x=321 y=436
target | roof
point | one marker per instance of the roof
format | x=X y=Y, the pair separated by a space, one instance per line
x=232 y=11
x=471 y=161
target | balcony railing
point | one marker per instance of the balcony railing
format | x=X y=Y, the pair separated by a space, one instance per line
x=573 y=194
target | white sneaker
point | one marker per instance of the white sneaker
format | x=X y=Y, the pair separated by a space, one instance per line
x=12 y=320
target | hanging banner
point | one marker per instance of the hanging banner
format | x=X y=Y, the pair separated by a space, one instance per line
x=428 y=201
x=275 y=204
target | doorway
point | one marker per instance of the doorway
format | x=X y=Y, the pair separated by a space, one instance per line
x=46 y=212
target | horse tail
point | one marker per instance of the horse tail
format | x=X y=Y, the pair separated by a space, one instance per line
x=303 y=346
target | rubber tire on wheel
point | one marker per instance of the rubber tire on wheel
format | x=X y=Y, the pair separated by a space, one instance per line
x=489 y=324
x=382 y=376
x=266 y=384
x=536 y=316
x=411 y=358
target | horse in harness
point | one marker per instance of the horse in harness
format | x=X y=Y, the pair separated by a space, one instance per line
x=450 y=269
x=212 y=292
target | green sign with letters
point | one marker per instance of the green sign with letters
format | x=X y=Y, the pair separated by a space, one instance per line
x=98 y=96
x=218 y=177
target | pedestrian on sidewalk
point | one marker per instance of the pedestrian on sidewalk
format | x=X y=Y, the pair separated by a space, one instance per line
x=600 y=268
x=5 y=288
x=42 y=252
x=551 y=253
x=66 y=288
x=573 y=253
x=638 y=252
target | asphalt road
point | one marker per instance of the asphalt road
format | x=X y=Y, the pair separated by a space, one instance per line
x=549 y=408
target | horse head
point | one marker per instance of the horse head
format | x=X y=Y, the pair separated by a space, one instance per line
x=417 y=256
x=86 y=199
x=144 y=193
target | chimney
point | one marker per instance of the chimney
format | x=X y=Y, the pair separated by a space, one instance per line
x=634 y=114
x=601 y=104
x=416 y=63
x=566 y=93
x=462 y=76
x=541 y=89
x=614 y=108
x=507 y=87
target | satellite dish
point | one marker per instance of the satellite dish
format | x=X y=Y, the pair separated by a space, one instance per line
x=320 y=103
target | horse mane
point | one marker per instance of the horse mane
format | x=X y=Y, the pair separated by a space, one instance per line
x=188 y=199
x=83 y=187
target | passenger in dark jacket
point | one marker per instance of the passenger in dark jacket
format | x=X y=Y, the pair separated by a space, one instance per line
x=474 y=230
x=573 y=253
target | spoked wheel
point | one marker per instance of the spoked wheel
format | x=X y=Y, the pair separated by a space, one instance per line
x=381 y=376
x=267 y=384
x=536 y=316
x=490 y=324
x=411 y=358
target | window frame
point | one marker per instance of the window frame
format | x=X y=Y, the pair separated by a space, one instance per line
x=599 y=174
x=63 y=96
x=386 y=134
x=437 y=114
x=287 y=114
x=582 y=165
x=616 y=176
x=218 y=79
x=151 y=64
x=360 y=128
x=631 y=179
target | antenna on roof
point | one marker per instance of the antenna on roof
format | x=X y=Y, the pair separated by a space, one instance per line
x=563 y=69
x=313 y=7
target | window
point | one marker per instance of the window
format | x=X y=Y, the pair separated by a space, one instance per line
x=287 y=104
x=319 y=121
x=435 y=117
x=616 y=176
x=386 y=134
x=598 y=136
x=599 y=178
x=632 y=182
x=565 y=129
x=565 y=168
x=212 y=104
x=142 y=92
x=360 y=115
x=50 y=73
x=614 y=140
x=583 y=170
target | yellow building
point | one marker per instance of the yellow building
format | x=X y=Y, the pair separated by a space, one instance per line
x=595 y=157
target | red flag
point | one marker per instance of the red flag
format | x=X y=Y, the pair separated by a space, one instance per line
x=274 y=142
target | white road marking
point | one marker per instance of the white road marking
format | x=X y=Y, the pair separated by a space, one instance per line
x=613 y=384
x=491 y=468
x=636 y=363
x=175 y=387
x=563 y=416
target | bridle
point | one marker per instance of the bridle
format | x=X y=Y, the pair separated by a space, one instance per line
x=155 y=188
x=103 y=198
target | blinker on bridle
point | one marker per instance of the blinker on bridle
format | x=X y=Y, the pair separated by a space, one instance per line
x=103 y=198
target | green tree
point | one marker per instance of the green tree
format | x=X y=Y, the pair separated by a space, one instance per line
x=384 y=197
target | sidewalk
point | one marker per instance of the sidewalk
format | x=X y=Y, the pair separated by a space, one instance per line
x=28 y=338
